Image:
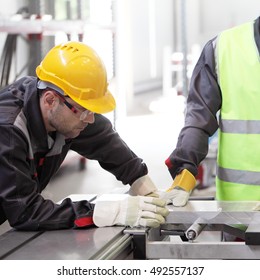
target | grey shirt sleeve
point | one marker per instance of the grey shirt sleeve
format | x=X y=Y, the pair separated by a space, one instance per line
x=203 y=104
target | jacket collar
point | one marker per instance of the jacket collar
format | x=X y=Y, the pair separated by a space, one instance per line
x=34 y=117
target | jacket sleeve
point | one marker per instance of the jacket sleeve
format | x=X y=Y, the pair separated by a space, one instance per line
x=20 y=199
x=203 y=103
x=99 y=141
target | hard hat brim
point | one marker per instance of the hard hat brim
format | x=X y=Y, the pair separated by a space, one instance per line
x=102 y=105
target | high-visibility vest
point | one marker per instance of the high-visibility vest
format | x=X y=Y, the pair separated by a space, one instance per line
x=238 y=68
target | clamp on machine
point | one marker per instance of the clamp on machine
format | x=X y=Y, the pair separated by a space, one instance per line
x=200 y=230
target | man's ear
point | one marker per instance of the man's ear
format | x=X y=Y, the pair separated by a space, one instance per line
x=49 y=98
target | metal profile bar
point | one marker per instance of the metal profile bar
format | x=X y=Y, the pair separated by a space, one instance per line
x=201 y=250
x=48 y=27
x=115 y=249
x=215 y=212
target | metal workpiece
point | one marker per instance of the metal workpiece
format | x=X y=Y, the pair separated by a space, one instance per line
x=252 y=234
x=140 y=237
x=119 y=248
x=217 y=212
x=204 y=223
x=12 y=239
x=88 y=244
x=149 y=233
x=208 y=245
x=175 y=248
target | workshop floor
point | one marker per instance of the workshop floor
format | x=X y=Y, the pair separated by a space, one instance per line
x=151 y=131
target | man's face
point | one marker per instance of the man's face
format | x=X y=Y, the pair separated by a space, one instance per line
x=69 y=118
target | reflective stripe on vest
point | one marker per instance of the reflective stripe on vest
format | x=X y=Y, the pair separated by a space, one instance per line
x=238 y=174
x=240 y=126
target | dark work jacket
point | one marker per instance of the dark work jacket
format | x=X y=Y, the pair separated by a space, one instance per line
x=27 y=163
x=203 y=104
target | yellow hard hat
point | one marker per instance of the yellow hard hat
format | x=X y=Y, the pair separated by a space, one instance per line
x=77 y=69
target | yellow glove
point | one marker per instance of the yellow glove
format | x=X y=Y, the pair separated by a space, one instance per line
x=182 y=186
x=179 y=192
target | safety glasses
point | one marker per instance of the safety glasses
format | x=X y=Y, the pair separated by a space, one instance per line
x=83 y=114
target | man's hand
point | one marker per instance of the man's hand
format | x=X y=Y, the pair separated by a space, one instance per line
x=178 y=194
x=142 y=186
x=133 y=211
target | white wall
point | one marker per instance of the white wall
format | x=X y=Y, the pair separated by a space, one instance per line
x=22 y=53
x=152 y=30
x=148 y=25
x=204 y=19
x=143 y=29
x=6 y=12
x=211 y=17
x=9 y=8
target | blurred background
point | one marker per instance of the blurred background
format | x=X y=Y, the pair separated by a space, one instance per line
x=149 y=48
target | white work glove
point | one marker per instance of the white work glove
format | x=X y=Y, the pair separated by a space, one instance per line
x=133 y=211
x=178 y=194
x=182 y=186
x=145 y=186
x=142 y=186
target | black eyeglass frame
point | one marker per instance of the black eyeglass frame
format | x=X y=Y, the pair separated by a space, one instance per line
x=84 y=113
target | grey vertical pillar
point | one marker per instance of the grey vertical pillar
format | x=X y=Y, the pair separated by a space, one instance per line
x=184 y=48
x=48 y=41
x=34 y=40
x=38 y=43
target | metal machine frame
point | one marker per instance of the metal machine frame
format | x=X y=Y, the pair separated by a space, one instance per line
x=204 y=219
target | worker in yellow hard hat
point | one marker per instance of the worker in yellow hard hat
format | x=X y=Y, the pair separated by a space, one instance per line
x=41 y=119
